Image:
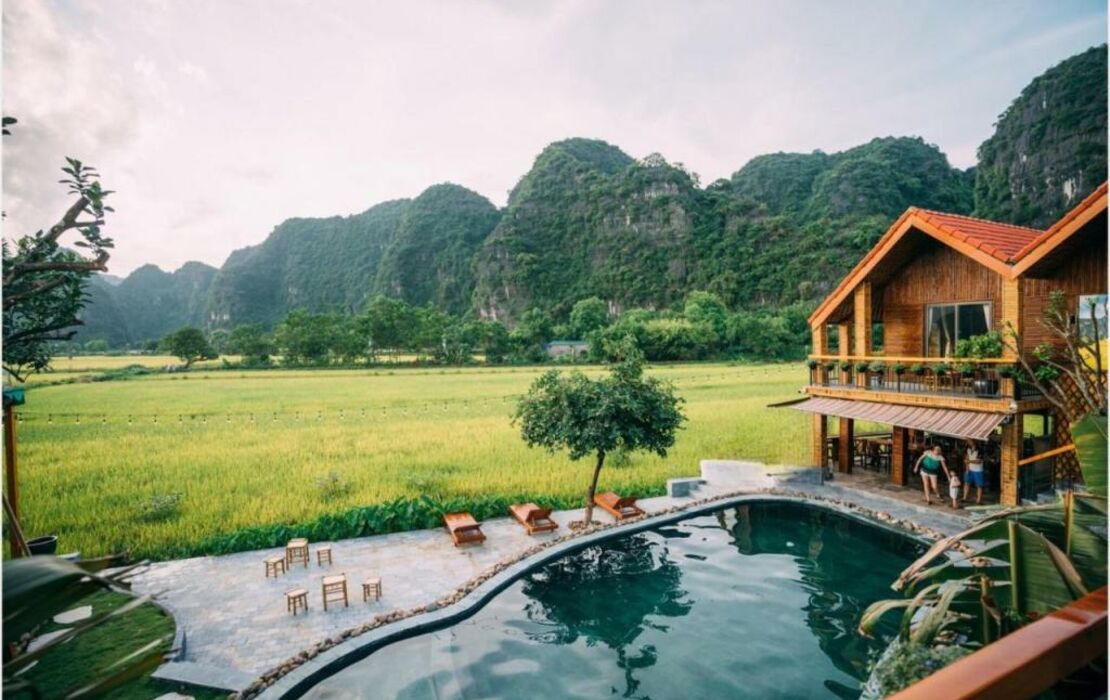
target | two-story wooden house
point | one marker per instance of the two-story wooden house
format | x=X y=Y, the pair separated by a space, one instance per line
x=932 y=280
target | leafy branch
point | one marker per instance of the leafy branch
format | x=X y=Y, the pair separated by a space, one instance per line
x=43 y=276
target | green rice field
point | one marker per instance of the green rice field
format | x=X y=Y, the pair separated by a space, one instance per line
x=244 y=449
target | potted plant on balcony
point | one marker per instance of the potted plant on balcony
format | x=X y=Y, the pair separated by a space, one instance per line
x=876 y=369
x=831 y=373
x=812 y=365
x=899 y=370
x=940 y=371
x=981 y=347
x=1011 y=373
x=861 y=371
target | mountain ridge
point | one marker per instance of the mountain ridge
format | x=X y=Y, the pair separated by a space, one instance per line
x=587 y=219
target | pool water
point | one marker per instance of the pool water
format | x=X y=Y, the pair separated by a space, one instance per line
x=756 y=601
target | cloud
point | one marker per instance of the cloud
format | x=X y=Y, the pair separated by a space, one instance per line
x=57 y=83
x=214 y=120
x=193 y=71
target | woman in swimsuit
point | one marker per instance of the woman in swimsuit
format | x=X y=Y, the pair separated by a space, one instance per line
x=930 y=463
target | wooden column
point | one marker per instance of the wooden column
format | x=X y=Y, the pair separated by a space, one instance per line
x=1009 y=316
x=844 y=458
x=861 y=326
x=820 y=336
x=12 y=481
x=843 y=349
x=862 y=319
x=900 y=466
x=820 y=436
x=1011 y=453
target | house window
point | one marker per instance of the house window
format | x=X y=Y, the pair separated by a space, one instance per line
x=947 y=324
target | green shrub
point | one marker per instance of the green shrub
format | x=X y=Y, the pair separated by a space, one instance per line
x=334 y=485
x=161 y=507
x=904 y=663
x=980 y=347
x=393 y=516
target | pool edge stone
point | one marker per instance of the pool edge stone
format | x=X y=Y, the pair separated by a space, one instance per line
x=295 y=676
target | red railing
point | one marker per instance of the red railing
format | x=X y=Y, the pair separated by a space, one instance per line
x=1025 y=662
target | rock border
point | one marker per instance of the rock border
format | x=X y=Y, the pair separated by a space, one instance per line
x=297 y=674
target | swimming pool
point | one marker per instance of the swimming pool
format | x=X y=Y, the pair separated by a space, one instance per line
x=759 y=600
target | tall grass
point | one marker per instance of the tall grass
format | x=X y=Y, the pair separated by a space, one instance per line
x=246 y=450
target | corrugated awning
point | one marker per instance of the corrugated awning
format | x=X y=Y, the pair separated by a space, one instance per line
x=976 y=425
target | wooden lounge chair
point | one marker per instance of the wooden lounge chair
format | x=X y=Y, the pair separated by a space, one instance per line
x=533 y=518
x=463 y=527
x=619 y=508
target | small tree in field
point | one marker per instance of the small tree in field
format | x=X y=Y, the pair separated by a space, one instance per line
x=188 y=345
x=625 y=411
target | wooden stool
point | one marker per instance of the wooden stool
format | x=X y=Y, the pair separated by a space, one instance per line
x=335 y=589
x=296 y=599
x=371 y=587
x=323 y=553
x=295 y=551
x=274 y=566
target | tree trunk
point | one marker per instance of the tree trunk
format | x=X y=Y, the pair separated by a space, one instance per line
x=593 y=487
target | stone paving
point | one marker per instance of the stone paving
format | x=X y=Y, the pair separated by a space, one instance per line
x=235 y=621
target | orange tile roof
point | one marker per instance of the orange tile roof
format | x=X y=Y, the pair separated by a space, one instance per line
x=1000 y=241
x=1066 y=219
x=1000 y=247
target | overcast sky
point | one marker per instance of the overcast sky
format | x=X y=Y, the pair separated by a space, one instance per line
x=214 y=120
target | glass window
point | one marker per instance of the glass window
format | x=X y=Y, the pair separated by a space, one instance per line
x=946 y=324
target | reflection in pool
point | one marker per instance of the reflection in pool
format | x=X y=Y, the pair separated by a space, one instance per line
x=756 y=601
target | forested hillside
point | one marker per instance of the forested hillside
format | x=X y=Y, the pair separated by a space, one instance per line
x=304 y=263
x=1049 y=146
x=147 y=304
x=588 y=220
x=431 y=257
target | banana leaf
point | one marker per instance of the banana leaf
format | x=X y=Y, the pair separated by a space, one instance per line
x=37 y=588
x=987 y=530
x=1089 y=435
x=939 y=614
x=128 y=668
x=1043 y=577
x=24 y=659
x=877 y=610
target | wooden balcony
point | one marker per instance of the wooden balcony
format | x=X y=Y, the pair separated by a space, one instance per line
x=981 y=385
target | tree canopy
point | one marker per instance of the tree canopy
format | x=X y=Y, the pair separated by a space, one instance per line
x=43 y=277
x=624 y=411
x=188 y=345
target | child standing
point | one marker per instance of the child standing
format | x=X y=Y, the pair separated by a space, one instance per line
x=954 y=489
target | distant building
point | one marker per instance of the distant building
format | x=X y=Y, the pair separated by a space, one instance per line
x=577 y=349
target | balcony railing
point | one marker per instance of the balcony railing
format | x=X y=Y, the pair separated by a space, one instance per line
x=989 y=379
